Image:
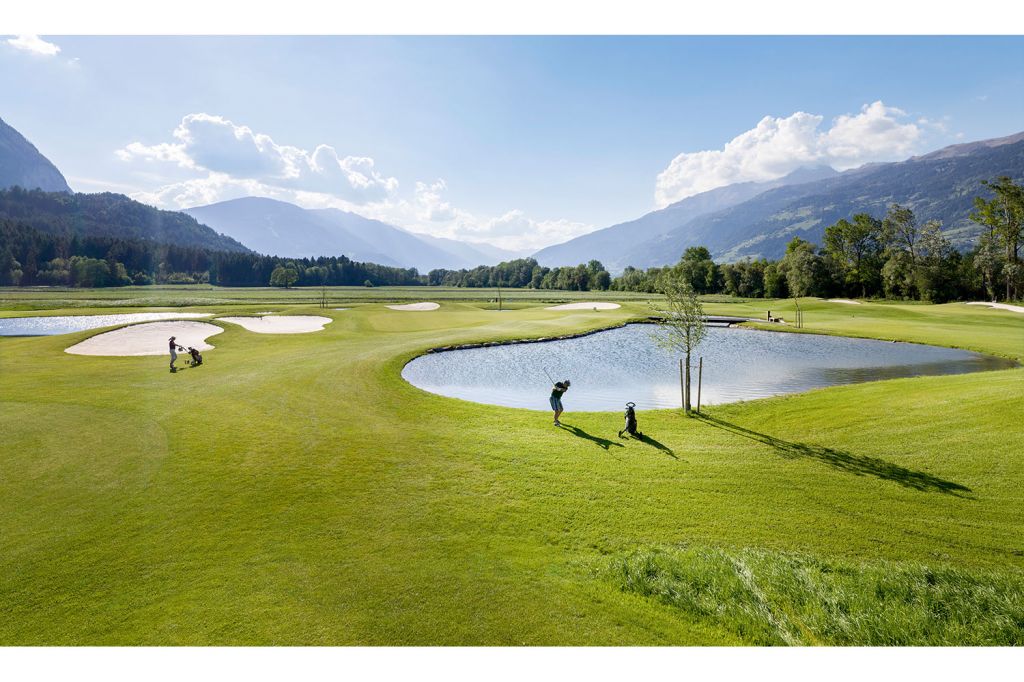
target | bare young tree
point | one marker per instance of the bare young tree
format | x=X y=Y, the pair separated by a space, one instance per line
x=682 y=326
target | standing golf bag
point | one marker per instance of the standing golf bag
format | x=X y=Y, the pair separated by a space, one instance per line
x=630 y=427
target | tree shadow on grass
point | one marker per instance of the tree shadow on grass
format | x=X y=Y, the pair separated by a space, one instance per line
x=860 y=465
x=601 y=442
x=643 y=438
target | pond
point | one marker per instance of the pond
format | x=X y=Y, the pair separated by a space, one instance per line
x=618 y=365
x=65 y=324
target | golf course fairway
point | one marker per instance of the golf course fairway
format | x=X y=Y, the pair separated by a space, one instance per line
x=294 y=490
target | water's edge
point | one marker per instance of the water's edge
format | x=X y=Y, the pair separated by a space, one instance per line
x=1010 y=362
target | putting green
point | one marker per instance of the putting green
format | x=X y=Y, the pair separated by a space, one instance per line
x=295 y=490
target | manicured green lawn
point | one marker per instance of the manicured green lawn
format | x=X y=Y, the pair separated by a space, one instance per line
x=295 y=490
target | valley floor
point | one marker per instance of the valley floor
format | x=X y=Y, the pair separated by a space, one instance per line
x=295 y=490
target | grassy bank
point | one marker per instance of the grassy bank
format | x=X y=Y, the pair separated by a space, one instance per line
x=294 y=490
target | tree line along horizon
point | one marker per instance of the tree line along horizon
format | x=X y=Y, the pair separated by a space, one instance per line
x=864 y=256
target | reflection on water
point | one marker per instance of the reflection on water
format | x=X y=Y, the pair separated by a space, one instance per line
x=617 y=365
x=65 y=324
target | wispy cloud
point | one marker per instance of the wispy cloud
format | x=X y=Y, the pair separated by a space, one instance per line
x=34 y=44
x=777 y=146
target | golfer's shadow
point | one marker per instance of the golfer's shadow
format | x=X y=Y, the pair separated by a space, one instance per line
x=601 y=442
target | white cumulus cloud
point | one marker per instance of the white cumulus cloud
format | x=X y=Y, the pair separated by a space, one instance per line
x=209 y=158
x=777 y=146
x=34 y=44
x=431 y=205
x=222 y=154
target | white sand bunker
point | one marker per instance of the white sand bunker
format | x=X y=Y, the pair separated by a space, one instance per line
x=1000 y=306
x=147 y=339
x=588 y=305
x=843 y=300
x=280 y=324
x=416 y=306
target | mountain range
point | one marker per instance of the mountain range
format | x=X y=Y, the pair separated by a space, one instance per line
x=282 y=229
x=34 y=191
x=742 y=220
x=614 y=245
x=758 y=219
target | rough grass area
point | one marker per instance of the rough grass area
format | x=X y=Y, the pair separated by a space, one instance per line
x=774 y=598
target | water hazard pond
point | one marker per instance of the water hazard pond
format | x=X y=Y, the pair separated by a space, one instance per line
x=610 y=367
x=65 y=324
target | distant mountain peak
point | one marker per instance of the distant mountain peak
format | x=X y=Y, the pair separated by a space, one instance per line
x=965 y=148
x=284 y=229
x=21 y=164
x=809 y=174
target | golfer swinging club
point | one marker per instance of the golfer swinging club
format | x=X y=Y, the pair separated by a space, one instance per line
x=556 y=398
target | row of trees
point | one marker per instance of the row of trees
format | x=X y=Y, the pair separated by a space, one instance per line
x=526 y=273
x=894 y=257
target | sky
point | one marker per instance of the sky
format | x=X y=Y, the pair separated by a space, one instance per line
x=520 y=142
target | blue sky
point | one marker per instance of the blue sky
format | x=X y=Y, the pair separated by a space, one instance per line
x=520 y=142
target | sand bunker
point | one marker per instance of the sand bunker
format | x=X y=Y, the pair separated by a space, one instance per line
x=416 y=306
x=1000 y=306
x=147 y=339
x=280 y=324
x=843 y=300
x=589 y=305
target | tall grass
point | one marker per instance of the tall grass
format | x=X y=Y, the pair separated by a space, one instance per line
x=773 y=598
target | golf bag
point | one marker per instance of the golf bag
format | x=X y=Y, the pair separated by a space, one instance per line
x=630 y=427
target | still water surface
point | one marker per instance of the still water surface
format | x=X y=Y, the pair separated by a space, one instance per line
x=65 y=324
x=612 y=367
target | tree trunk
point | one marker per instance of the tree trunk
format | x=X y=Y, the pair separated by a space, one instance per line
x=686 y=400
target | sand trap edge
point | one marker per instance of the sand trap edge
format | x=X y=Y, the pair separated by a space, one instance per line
x=279 y=324
x=153 y=335
x=416 y=307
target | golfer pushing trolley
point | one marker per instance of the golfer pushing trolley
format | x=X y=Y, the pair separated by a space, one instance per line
x=174 y=347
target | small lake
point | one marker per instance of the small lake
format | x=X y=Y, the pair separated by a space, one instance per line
x=65 y=324
x=611 y=367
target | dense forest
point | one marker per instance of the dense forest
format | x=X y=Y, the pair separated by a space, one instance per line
x=891 y=257
x=29 y=257
x=108 y=215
